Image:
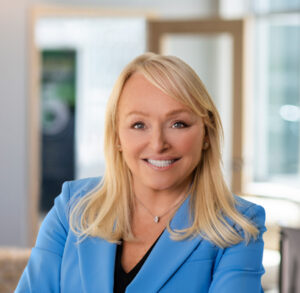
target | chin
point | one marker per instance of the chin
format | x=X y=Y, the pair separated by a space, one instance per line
x=160 y=185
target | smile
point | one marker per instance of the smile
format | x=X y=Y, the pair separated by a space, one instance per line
x=161 y=163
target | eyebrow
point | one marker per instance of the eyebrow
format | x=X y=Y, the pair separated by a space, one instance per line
x=171 y=113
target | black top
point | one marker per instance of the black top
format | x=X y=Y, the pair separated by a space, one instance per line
x=121 y=278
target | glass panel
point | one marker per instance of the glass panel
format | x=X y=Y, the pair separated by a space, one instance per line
x=103 y=47
x=211 y=57
x=277 y=105
x=266 y=6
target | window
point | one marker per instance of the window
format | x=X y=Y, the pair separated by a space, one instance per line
x=103 y=46
x=275 y=160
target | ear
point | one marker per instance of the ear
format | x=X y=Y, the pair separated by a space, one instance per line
x=205 y=145
x=119 y=147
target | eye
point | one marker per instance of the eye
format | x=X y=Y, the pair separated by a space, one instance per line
x=138 y=125
x=179 y=124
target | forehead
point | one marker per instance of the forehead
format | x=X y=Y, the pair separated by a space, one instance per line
x=139 y=94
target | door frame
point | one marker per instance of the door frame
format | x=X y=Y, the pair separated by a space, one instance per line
x=239 y=31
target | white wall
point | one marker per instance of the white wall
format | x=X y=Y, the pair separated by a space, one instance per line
x=13 y=88
x=14 y=66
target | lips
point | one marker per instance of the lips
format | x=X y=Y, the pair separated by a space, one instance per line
x=161 y=163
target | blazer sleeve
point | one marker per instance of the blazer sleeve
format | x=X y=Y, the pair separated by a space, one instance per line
x=42 y=273
x=239 y=267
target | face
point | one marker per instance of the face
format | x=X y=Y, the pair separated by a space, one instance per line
x=161 y=139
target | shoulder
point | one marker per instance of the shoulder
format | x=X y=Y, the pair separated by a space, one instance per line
x=247 y=208
x=253 y=212
x=57 y=218
x=82 y=186
x=75 y=189
x=238 y=267
x=71 y=192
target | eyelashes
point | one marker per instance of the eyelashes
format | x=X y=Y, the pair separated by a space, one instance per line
x=138 y=125
x=175 y=125
x=179 y=124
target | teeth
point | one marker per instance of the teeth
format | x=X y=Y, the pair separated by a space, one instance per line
x=161 y=163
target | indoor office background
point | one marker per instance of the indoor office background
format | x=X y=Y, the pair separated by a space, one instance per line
x=59 y=60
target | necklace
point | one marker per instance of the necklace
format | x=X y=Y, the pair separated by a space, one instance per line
x=157 y=218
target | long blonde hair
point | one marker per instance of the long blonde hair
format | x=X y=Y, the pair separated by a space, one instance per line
x=106 y=211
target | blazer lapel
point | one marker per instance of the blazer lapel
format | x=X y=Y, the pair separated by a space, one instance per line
x=96 y=262
x=166 y=256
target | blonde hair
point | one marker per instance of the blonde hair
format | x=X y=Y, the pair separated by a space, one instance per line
x=106 y=210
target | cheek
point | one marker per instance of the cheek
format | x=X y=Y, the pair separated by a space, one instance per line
x=130 y=142
x=189 y=143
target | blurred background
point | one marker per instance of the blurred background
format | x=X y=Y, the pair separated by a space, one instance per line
x=58 y=63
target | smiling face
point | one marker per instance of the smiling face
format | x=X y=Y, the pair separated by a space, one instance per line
x=161 y=139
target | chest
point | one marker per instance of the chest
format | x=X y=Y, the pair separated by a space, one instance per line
x=134 y=251
x=89 y=267
x=147 y=234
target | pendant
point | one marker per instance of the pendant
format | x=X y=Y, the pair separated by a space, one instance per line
x=156 y=219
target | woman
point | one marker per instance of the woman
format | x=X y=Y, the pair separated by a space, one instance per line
x=161 y=219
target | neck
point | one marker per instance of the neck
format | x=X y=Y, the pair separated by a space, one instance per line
x=158 y=201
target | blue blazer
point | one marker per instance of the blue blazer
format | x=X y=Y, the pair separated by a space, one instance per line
x=58 y=264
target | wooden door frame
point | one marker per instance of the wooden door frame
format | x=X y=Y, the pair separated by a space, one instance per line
x=157 y=29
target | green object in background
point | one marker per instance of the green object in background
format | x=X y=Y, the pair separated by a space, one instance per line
x=59 y=75
x=58 y=92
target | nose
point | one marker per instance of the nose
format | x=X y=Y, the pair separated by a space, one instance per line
x=159 y=142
